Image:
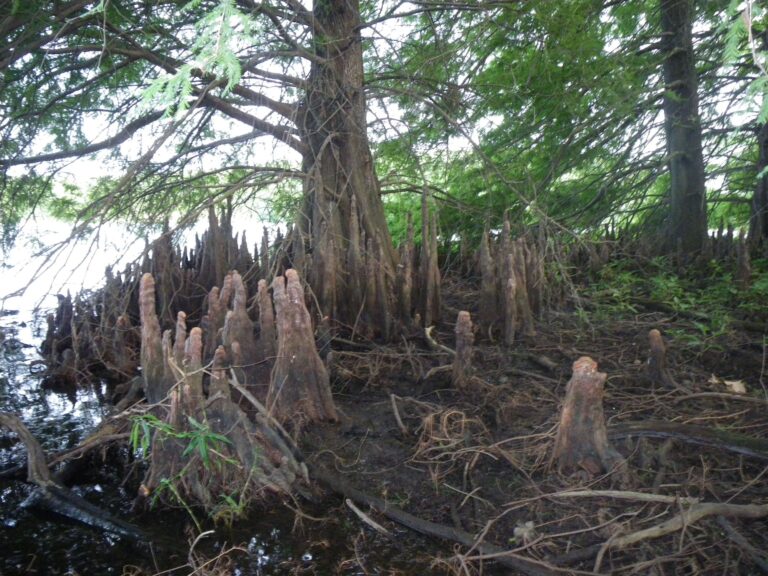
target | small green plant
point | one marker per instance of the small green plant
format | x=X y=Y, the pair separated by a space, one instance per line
x=200 y=439
x=670 y=289
x=169 y=485
x=204 y=442
x=200 y=442
x=142 y=430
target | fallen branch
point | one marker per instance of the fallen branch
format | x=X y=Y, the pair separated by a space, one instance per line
x=57 y=498
x=687 y=517
x=731 y=441
x=367 y=519
x=403 y=427
x=509 y=559
x=723 y=395
x=624 y=495
x=434 y=344
x=735 y=536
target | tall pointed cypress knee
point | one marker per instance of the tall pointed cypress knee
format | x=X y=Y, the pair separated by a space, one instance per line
x=299 y=389
x=489 y=305
x=156 y=385
x=238 y=327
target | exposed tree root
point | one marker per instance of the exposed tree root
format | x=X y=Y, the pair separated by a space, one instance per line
x=756 y=555
x=731 y=441
x=503 y=557
x=687 y=517
x=56 y=498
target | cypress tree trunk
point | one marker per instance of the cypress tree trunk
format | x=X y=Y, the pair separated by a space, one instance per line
x=339 y=168
x=687 y=218
x=758 y=223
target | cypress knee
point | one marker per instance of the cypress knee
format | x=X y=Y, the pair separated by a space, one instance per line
x=299 y=389
x=582 y=439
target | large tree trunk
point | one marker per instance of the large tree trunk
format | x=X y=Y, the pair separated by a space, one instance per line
x=343 y=208
x=758 y=223
x=687 y=219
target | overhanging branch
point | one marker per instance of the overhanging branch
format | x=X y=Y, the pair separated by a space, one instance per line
x=126 y=133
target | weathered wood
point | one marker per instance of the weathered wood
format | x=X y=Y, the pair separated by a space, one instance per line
x=371 y=290
x=657 y=370
x=462 y=360
x=383 y=296
x=56 y=498
x=153 y=368
x=424 y=285
x=703 y=436
x=743 y=264
x=339 y=485
x=510 y=311
x=324 y=266
x=299 y=389
x=582 y=440
x=517 y=267
x=124 y=345
x=405 y=274
x=239 y=457
x=489 y=305
x=267 y=332
x=180 y=338
x=355 y=262
x=238 y=327
x=266 y=269
x=193 y=371
x=219 y=383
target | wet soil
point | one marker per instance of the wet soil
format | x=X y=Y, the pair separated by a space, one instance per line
x=480 y=461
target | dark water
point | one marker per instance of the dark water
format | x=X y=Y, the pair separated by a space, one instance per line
x=35 y=542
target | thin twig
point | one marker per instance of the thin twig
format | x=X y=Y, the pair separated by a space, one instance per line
x=365 y=518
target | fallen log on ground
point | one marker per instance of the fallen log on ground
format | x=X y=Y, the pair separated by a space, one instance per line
x=56 y=498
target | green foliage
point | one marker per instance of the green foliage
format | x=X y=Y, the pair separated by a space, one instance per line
x=548 y=110
x=170 y=92
x=217 y=35
x=201 y=444
x=18 y=200
x=200 y=440
x=709 y=299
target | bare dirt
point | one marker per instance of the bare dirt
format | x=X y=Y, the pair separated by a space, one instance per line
x=479 y=461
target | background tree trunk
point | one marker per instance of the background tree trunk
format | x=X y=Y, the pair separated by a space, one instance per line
x=687 y=218
x=339 y=167
x=758 y=222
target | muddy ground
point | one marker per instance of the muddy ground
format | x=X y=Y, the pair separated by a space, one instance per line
x=480 y=461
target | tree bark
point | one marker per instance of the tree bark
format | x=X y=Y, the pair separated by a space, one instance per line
x=582 y=438
x=462 y=361
x=339 y=165
x=687 y=219
x=758 y=223
x=300 y=388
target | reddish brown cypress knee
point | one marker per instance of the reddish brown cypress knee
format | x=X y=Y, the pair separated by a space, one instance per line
x=658 y=373
x=462 y=362
x=582 y=439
